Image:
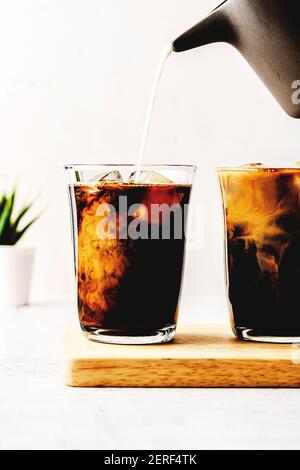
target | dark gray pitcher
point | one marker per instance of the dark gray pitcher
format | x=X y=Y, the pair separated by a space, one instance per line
x=267 y=34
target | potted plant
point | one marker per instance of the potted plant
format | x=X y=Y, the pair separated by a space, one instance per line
x=16 y=263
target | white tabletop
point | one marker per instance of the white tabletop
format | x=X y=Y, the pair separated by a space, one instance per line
x=38 y=412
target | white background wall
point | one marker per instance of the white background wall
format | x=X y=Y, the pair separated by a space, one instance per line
x=75 y=77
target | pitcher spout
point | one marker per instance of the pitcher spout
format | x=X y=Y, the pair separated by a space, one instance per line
x=214 y=28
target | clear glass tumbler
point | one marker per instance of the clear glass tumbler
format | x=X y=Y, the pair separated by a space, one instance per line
x=262 y=247
x=129 y=243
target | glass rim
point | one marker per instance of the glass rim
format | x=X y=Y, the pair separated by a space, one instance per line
x=257 y=168
x=86 y=166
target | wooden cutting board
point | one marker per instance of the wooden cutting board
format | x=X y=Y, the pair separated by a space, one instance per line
x=200 y=356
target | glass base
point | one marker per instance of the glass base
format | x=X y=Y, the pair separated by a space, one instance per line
x=102 y=335
x=253 y=335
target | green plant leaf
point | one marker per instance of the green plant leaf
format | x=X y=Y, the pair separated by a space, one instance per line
x=5 y=217
x=78 y=176
x=20 y=216
x=20 y=234
x=9 y=233
x=2 y=203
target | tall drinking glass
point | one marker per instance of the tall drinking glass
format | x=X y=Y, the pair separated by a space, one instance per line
x=262 y=246
x=129 y=243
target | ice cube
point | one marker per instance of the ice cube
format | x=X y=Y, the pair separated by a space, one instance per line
x=148 y=177
x=110 y=177
x=252 y=165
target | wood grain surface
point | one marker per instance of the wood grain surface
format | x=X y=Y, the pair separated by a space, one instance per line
x=200 y=356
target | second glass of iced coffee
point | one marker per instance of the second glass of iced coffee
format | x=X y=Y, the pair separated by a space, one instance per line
x=262 y=246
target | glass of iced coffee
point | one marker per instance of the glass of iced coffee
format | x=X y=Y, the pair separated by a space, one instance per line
x=129 y=228
x=262 y=251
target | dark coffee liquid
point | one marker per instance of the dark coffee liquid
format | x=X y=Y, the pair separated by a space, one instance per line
x=128 y=286
x=262 y=215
